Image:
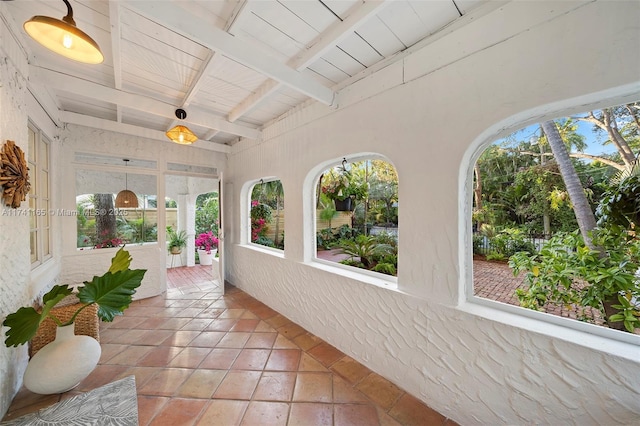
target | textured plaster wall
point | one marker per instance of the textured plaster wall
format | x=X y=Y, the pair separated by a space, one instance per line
x=81 y=265
x=14 y=230
x=428 y=115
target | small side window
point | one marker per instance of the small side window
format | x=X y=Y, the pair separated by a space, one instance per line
x=267 y=214
x=357 y=215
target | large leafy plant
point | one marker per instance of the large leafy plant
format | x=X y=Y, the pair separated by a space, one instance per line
x=620 y=205
x=367 y=248
x=568 y=272
x=112 y=292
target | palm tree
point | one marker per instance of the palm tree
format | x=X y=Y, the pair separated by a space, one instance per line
x=584 y=215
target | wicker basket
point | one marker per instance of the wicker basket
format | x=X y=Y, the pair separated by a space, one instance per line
x=86 y=323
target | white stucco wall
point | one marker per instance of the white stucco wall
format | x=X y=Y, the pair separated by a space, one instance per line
x=20 y=285
x=14 y=230
x=429 y=114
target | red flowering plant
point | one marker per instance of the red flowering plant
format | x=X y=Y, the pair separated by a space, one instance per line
x=206 y=241
x=260 y=218
x=105 y=240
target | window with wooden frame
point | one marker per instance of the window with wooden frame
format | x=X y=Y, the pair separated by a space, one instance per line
x=39 y=196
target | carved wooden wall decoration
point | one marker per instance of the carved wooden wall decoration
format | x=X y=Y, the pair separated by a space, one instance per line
x=14 y=175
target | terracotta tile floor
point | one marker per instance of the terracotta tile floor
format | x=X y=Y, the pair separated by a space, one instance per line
x=201 y=358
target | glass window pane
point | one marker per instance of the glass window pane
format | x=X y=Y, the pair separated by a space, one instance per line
x=33 y=223
x=45 y=219
x=100 y=224
x=44 y=180
x=267 y=214
x=33 y=246
x=31 y=156
x=33 y=179
x=46 y=249
x=44 y=163
x=357 y=215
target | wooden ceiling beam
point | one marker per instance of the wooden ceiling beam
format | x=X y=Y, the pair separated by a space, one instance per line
x=172 y=16
x=198 y=117
x=114 y=24
x=128 y=129
x=325 y=41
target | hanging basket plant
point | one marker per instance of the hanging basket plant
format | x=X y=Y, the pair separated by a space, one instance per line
x=343 y=189
x=345 y=205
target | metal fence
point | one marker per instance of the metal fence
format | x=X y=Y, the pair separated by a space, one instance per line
x=484 y=245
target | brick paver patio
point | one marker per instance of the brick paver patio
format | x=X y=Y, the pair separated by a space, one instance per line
x=495 y=281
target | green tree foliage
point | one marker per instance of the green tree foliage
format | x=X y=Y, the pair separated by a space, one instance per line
x=366 y=248
x=522 y=186
x=207 y=213
x=620 y=205
x=568 y=272
x=597 y=267
x=383 y=192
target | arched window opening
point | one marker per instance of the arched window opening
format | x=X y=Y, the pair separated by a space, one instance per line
x=555 y=218
x=357 y=215
x=267 y=214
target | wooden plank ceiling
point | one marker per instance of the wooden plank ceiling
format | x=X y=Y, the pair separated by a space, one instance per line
x=233 y=65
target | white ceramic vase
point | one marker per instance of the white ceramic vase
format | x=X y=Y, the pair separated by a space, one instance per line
x=206 y=258
x=62 y=364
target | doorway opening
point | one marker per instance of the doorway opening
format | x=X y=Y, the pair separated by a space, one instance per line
x=192 y=217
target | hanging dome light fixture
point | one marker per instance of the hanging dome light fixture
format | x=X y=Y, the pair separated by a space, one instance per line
x=126 y=198
x=181 y=134
x=64 y=38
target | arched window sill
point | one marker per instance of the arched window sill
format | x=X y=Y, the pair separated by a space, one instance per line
x=264 y=249
x=387 y=282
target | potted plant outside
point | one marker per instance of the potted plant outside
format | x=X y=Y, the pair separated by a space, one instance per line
x=343 y=190
x=207 y=245
x=63 y=363
x=176 y=241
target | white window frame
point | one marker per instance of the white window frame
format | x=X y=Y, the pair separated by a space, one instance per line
x=370 y=277
x=39 y=197
x=271 y=250
x=589 y=335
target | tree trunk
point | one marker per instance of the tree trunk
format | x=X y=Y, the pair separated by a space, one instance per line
x=636 y=120
x=546 y=215
x=608 y=124
x=610 y=310
x=366 y=200
x=584 y=215
x=546 y=221
x=319 y=191
x=623 y=147
x=477 y=193
x=275 y=237
x=105 y=218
